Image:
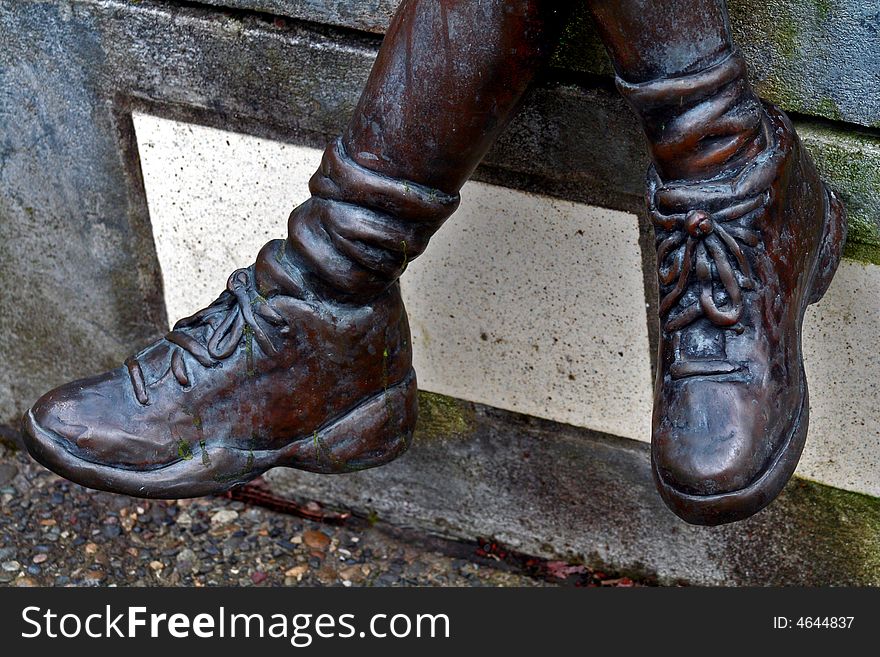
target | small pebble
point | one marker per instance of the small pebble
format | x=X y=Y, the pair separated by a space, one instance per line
x=223 y=517
x=316 y=540
x=112 y=531
x=94 y=576
x=297 y=571
x=187 y=561
x=27 y=582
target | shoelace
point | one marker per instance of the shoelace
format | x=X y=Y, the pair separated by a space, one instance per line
x=238 y=307
x=698 y=240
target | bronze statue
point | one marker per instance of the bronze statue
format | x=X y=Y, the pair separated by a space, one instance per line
x=304 y=360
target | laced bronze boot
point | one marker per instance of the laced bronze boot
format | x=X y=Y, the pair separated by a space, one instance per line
x=747 y=237
x=304 y=361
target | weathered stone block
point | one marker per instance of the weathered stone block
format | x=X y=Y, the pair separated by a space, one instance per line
x=850 y=161
x=556 y=491
x=367 y=15
x=78 y=272
x=813 y=57
x=808 y=56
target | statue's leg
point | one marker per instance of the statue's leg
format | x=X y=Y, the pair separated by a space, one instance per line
x=305 y=360
x=747 y=237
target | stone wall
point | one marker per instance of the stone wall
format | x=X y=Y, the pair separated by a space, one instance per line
x=82 y=284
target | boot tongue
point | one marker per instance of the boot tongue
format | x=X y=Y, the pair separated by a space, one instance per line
x=701 y=341
x=701 y=350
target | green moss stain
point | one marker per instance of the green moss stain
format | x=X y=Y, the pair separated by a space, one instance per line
x=580 y=48
x=824 y=8
x=850 y=163
x=206 y=459
x=786 y=35
x=791 y=51
x=862 y=253
x=828 y=108
x=442 y=417
x=389 y=407
x=184 y=450
x=241 y=475
x=836 y=531
x=786 y=31
x=247 y=470
x=323 y=454
x=787 y=45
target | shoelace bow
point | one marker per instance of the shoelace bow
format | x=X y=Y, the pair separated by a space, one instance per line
x=238 y=307
x=698 y=240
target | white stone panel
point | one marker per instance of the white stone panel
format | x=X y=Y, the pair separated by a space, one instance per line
x=842 y=357
x=522 y=302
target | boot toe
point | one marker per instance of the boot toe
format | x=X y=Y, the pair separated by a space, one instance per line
x=706 y=464
x=708 y=443
x=89 y=419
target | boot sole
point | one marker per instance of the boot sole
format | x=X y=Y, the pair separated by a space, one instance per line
x=745 y=502
x=373 y=433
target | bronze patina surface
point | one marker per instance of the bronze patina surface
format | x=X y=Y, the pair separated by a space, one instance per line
x=305 y=360
x=740 y=256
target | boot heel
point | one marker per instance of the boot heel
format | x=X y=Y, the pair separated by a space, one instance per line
x=374 y=433
x=831 y=250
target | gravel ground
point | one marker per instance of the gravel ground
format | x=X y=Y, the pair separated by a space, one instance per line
x=56 y=533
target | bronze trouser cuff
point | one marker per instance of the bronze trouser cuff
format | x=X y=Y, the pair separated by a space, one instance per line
x=360 y=228
x=699 y=121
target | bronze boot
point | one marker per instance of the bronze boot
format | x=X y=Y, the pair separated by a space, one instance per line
x=303 y=361
x=747 y=236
